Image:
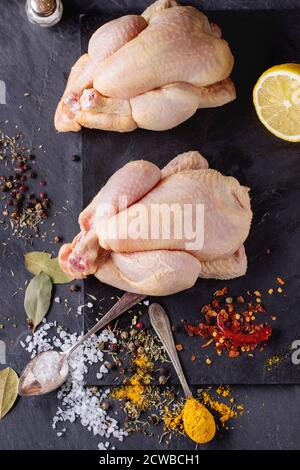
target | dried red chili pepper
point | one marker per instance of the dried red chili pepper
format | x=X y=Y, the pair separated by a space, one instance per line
x=259 y=336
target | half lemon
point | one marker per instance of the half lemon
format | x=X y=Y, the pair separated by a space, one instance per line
x=276 y=97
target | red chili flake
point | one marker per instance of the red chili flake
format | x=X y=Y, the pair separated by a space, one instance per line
x=280 y=280
x=215 y=303
x=233 y=353
x=221 y=292
x=232 y=326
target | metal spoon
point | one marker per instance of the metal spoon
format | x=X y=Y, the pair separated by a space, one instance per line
x=161 y=324
x=201 y=430
x=50 y=369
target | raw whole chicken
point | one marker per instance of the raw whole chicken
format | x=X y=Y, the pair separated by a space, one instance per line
x=151 y=71
x=160 y=265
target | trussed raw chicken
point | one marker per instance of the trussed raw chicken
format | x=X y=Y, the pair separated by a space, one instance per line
x=151 y=71
x=158 y=266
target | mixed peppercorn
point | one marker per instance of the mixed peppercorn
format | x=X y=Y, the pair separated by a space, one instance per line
x=23 y=209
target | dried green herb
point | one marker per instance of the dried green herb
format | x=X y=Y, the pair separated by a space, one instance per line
x=37 y=299
x=38 y=261
x=9 y=382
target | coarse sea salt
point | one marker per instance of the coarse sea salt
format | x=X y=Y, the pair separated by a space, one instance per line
x=75 y=400
x=47 y=366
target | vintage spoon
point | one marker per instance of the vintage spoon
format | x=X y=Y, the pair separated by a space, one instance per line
x=50 y=369
x=198 y=422
x=161 y=324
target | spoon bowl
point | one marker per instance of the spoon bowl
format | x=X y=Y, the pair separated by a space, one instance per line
x=44 y=373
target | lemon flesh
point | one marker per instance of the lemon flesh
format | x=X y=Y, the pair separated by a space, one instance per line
x=276 y=98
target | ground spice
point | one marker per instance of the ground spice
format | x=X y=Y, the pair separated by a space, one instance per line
x=199 y=424
x=173 y=418
x=225 y=411
x=224 y=391
x=277 y=359
x=273 y=361
x=134 y=391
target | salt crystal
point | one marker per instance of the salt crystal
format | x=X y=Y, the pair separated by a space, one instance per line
x=76 y=401
x=57 y=300
x=103 y=369
x=90 y=305
x=146 y=302
x=47 y=367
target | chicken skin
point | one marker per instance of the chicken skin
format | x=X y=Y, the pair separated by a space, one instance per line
x=151 y=71
x=148 y=262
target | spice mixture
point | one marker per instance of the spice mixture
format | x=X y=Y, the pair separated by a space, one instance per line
x=23 y=210
x=232 y=325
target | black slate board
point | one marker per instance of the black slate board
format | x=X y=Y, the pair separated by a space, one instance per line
x=31 y=62
x=235 y=143
x=275 y=411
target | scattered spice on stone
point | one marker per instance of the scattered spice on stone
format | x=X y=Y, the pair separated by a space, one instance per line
x=233 y=326
x=23 y=211
x=225 y=411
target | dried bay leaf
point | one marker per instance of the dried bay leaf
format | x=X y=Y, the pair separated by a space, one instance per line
x=38 y=261
x=9 y=382
x=37 y=298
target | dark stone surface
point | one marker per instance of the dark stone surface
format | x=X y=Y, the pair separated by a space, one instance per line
x=235 y=143
x=38 y=61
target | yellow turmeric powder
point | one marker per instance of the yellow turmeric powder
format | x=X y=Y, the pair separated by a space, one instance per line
x=224 y=410
x=224 y=391
x=135 y=390
x=199 y=423
x=173 y=420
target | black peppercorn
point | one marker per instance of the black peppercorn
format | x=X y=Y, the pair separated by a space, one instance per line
x=74 y=288
x=175 y=328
